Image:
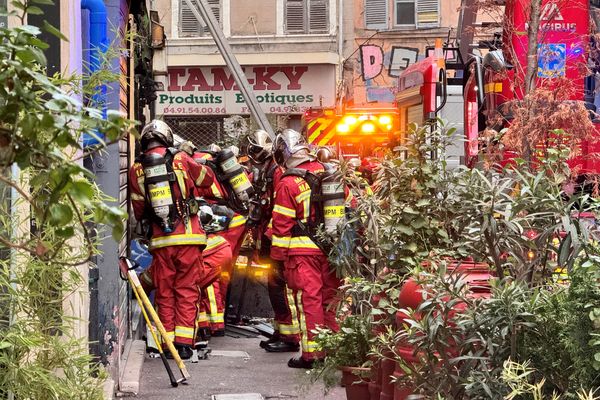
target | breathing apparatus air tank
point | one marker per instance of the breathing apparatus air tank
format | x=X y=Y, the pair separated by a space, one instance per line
x=234 y=173
x=158 y=188
x=334 y=209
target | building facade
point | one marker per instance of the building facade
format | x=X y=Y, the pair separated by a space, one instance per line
x=289 y=49
x=390 y=35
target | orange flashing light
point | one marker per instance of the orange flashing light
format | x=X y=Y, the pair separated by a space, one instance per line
x=385 y=120
x=342 y=128
x=350 y=120
x=367 y=127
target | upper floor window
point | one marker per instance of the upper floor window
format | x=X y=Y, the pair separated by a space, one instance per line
x=404 y=13
x=189 y=25
x=306 y=16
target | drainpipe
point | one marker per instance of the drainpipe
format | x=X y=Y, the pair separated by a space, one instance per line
x=97 y=45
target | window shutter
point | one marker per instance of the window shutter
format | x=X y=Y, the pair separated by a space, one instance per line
x=318 y=16
x=215 y=6
x=428 y=13
x=294 y=16
x=376 y=14
x=189 y=24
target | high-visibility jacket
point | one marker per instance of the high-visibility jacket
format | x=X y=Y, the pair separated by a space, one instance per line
x=292 y=204
x=189 y=178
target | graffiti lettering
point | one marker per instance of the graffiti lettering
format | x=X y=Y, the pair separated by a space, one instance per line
x=371 y=60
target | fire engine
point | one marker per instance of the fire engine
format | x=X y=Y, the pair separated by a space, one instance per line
x=355 y=131
x=472 y=95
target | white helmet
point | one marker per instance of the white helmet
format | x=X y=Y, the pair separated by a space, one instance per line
x=156 y=130
x=260 y=146
x=289 y=143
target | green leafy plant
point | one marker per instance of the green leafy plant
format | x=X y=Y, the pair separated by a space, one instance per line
x=49 y=210
x=349 y=347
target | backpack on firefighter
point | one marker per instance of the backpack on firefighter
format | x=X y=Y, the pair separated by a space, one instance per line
x=229 y=173
x=162 y=207
x=327 y=198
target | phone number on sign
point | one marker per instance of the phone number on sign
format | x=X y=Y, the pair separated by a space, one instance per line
x=279 y=109
x=194 y=110
x=222 y=110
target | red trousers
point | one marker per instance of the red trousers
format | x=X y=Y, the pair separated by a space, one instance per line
x=284 y=306
x=315 y=288
x=212 y=302
x=174 y=273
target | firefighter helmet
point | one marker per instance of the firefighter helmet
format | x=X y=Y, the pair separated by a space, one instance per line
x=260 y=147
x=325 y=155
x=290 y=143
x=157 y=131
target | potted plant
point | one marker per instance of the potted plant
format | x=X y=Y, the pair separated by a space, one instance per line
x=347 y=351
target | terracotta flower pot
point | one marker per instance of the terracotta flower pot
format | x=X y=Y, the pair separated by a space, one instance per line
x=357 y=387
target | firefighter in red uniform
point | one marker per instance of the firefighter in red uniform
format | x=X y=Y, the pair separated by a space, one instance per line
x=287 y=331
x=307 y=270
x=164 y=183
x=228 y=195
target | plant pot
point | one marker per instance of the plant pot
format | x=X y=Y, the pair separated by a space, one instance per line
x=388 y=365
x=375 y=380
x=357 y=387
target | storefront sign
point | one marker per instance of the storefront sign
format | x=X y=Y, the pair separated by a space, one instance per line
x=284 y=89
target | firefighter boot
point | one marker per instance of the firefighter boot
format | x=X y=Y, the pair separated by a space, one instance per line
x=282 y=347
x=300 y=362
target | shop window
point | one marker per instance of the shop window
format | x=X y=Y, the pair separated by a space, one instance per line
x=306 y=16
x=189 y=25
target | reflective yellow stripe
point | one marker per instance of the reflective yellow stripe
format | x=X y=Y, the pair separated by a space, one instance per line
x=303 y=196
x=217 y=318
x=288 y=212
x=202 y=317
x=312 y=346
x=302 y=318
x=171 y=335
x=293 y=310
x=215 y=191
x=279 y=241
x=184 y=332
x=213 y=311
x=236 y=221
x=289 y=329
x=301 y=242
x=178 y=240
x=137 y=197
x=214 y=241
x=181 y=182
x=201 y=176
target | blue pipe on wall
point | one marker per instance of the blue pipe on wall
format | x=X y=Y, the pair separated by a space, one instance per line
x=98 y=43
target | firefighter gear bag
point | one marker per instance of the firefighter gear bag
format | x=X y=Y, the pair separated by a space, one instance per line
x=327 y=196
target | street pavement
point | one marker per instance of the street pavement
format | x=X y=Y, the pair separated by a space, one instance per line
x=247 y=369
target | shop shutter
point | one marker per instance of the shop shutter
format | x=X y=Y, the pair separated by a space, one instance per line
x=189 y=24
x=428 y=13
x=295 y=13
x=376 y=14
x=318 y=16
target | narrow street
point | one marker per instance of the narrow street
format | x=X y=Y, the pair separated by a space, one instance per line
x=238 y=366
